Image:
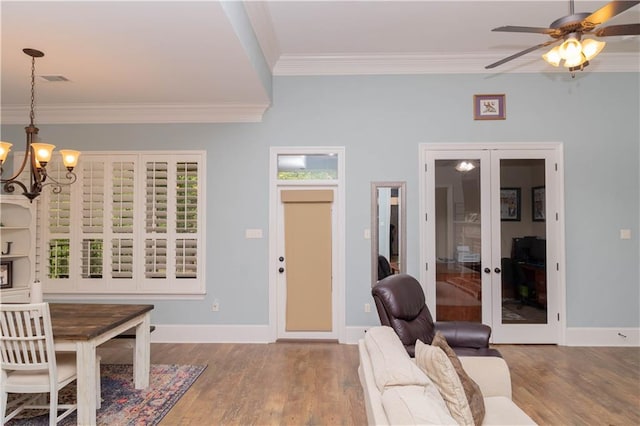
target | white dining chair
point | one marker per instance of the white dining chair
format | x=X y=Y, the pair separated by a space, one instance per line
x=30 y=365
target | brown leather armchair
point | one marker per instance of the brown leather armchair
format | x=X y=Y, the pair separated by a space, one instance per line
x=401 y=305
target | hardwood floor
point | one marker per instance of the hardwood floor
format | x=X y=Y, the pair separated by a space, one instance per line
x=317 y=384
x=559 y=385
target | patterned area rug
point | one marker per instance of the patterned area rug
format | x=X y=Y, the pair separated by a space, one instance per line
x=122 y=404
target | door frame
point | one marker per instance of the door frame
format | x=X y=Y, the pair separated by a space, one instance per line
x=338 y=256
x=426 y=204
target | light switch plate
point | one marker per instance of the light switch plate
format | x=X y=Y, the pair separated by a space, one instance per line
x=253 y=233
x=625 y=234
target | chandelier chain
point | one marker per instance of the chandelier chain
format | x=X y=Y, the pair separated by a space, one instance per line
x=33 y=89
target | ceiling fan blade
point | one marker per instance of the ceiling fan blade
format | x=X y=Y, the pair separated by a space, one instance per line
x=516 y=29
x=608 y=11
x=517 y=55
x=618 y=30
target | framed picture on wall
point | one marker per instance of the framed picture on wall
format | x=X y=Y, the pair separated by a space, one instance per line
x=6 y=274
x=538 y=204
x=510 y=204
x=489 y=107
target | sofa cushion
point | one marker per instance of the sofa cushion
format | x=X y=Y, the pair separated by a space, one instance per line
x=391 y=364
x=415 y=405
x=433 y=361
x=471 y=388
x=501 y=410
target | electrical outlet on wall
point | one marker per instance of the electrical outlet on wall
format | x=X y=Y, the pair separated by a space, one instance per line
x=216 y=306
x=367 y=307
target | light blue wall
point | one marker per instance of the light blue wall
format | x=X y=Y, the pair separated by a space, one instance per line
x=381 y=120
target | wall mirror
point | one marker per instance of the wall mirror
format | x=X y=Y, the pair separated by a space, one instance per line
x=388 y=229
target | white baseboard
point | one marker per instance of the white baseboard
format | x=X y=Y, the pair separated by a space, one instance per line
x=195 y=333
x=353 y=334
x=583 y=336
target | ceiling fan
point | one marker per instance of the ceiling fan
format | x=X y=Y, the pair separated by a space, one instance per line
x=574 y=52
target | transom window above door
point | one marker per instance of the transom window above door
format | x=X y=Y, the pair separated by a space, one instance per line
x=307 y=166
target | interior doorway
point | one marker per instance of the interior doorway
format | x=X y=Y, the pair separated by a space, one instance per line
x=306 y=278
x=492 y=246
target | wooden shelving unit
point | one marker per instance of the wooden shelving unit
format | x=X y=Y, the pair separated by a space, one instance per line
x=17 y=244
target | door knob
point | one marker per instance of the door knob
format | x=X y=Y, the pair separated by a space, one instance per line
x=281 y=259
x=487 y=270
x=497 y=270
x=281 y=270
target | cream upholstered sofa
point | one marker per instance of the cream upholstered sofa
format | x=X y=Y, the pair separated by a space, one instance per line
x=398 y=392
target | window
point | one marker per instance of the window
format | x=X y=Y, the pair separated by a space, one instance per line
x=139 y=225
x=307 y=167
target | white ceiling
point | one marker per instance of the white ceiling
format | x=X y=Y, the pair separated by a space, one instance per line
x=162 y=61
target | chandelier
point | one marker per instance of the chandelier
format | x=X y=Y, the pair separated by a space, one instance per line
x=37 y=154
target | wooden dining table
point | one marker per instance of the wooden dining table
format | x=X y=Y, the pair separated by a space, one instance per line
x=82 y=327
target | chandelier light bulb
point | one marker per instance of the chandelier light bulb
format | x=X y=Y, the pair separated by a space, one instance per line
x=70 y=158
x=5 y=147
x=43 y=152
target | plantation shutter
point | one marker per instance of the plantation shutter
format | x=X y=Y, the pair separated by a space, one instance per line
x=59 y=220
x=186 y=249
x=123 y=179
x=93 y=212
x=187 y=197
x=155 y=253
x=122 y=213
x=122 y=258
x=156 y=197
x=131 y=224
x=186 y=258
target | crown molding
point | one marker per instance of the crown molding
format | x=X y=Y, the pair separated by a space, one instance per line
x=294 y=65
x=132 y=113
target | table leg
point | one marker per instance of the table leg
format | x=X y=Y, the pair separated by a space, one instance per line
x=86 y=382
x=142 y=356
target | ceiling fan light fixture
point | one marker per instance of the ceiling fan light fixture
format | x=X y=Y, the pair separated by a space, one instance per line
x=553 y=56
x=591 y=48
x=570 y=49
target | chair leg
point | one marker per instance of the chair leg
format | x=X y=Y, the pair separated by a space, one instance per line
x=3 y=406
x=98 y=386
x=53 y=407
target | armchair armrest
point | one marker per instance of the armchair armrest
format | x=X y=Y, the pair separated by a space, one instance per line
x=490 y=373
x=464 y=334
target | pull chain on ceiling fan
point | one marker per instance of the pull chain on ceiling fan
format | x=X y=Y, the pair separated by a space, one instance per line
x=575 y=52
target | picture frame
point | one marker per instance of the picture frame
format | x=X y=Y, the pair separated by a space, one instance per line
x=538 y=204
x=510 y=203
x=6 y=274
x=489 y=107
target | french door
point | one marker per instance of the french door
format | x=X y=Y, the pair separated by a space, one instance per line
x=491 y=238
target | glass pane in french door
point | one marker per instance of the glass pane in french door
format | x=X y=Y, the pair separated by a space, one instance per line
x=458 y=240
x=523 y=241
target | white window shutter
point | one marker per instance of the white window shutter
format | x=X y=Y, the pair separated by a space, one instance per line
x=122 y=258
x=123 y=191
x=187 y=197
x=156 y=196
